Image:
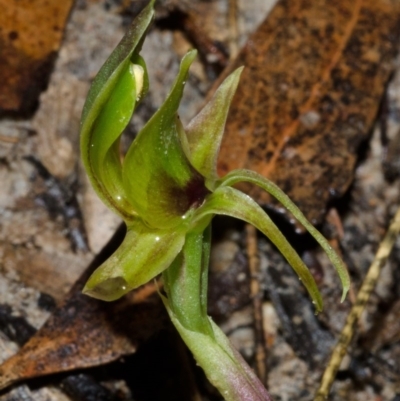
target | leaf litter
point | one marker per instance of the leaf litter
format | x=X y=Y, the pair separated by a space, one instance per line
x=365 y=215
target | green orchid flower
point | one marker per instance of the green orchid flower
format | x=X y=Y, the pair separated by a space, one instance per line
x=167 y=184
x=167 y=190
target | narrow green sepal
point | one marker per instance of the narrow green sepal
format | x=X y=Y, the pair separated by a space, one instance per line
x=157 y=175
x=231 y=202
x=143 y=254
x=237 y=176
x=205 y=130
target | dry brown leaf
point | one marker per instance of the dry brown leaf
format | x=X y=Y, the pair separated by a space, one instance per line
x=86 y=332
x=30 y=35
x=315 y=73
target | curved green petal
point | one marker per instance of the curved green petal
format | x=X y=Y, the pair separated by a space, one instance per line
x=250 y=176
x=205 y=131
x=111 y=100
x=103 y=153
x=231 y=202
x=159 y=179
x=143 y=254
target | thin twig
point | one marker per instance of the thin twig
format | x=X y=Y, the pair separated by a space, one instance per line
x=333 y=218
x=256 y=296
x=233 y=29
x=143 y=293
x=368 y=285
x=8 y=139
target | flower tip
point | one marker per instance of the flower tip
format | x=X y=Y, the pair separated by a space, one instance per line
x=317 y=302
x=109 y=290
x=344 y=293
x=138 y=72
x=318 y=307
x=239 y=70
x=344 y=278
x=191 y=55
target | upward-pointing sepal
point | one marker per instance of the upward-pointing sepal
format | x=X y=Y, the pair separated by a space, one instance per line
x=160 y=181
x=205 y=131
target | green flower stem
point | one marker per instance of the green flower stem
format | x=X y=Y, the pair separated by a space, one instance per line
x=185 y=283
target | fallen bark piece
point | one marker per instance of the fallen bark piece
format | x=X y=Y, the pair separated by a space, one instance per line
x=315 y=73
x=30 y=36
x=85 y=332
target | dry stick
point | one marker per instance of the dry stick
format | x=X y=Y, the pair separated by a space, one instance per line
x=256 y=296
x=368 y=285
x=8 y=139
x=144 y=292
x=233 y=28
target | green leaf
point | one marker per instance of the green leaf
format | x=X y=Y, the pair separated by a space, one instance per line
x=237 y=176
x=159 y=179
x=231 y=202
x=222 y=364
x=143 y=254
x=205 y=131
x=111 y=100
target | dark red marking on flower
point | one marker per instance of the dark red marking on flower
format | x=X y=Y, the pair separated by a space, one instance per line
x=182 y=199
x=196 y=191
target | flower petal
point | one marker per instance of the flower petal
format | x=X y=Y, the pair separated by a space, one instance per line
x=109 y=106
x=205 y=131
x=159 y=179
x=143 y=254
x=231 y=202
x=251 y=176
